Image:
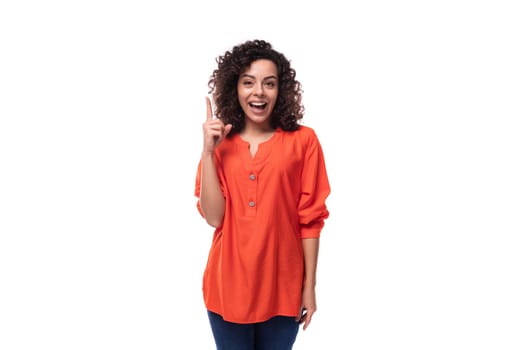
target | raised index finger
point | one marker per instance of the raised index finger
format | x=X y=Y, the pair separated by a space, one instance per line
x=209 y=112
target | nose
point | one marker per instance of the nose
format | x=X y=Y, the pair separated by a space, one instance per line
x=259 y=89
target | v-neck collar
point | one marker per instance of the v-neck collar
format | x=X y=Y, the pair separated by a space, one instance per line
x=263 y=148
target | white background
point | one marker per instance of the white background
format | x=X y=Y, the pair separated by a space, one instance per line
x=419 y=106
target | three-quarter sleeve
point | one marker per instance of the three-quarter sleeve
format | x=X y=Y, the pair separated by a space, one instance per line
x=315 y=189
x=198 y=189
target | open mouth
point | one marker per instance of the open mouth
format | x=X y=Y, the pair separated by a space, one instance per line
x=257 y=105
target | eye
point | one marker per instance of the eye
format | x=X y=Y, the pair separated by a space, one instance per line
x=270 y=84
x=247 y=83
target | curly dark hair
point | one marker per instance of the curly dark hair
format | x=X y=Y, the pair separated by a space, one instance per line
x=288 y=108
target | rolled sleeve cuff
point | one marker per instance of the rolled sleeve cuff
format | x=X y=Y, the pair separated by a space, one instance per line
x=312 y=230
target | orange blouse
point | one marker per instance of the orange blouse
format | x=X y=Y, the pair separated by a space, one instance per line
x=273 y=200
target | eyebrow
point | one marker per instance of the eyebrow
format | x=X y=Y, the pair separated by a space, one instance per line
x=251 y=76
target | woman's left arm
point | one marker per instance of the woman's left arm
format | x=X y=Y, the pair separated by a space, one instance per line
x=309 y=305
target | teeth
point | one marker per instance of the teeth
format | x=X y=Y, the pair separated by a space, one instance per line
x=257 y=104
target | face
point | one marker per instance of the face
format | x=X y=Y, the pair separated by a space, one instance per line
x=257 y=89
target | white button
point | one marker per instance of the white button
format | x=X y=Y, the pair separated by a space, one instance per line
x=251 y=204
x=252 y=177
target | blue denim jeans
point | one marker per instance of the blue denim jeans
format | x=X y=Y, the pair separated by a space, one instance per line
x=278 y=333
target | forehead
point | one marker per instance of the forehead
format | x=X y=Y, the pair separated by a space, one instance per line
x=261 y=68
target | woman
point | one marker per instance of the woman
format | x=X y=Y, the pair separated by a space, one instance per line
x=262 y=184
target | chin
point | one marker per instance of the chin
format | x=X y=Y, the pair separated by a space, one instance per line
x=258 y=119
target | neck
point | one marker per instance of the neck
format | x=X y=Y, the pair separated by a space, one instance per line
x=256 y=130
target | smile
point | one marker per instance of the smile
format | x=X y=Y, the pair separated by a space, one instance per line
x=258 y=105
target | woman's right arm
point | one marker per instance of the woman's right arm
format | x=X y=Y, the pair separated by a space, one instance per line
x=211 y=197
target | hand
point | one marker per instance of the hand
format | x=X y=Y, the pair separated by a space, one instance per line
x=308 y=308
x=214 y=130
